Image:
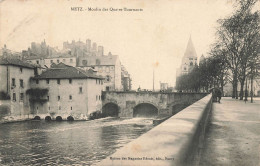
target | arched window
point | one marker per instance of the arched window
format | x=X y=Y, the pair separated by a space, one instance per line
x=191 y=64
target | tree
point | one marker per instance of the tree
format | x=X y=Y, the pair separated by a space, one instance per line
x=237 y=35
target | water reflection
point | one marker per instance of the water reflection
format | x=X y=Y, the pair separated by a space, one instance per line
x=68 y=143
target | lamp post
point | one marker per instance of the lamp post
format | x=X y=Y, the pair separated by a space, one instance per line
x=154 y=66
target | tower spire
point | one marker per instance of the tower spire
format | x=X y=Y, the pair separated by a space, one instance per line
x=190 y=50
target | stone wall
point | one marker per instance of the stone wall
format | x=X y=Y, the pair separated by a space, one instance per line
x=176 y=141
x=164 y=102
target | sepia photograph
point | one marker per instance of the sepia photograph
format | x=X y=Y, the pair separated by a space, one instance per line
x=130 y=82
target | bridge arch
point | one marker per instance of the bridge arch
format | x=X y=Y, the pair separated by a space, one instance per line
x=145 y=110
x=110 y=109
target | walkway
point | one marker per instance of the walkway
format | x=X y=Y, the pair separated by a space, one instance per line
x=233 y=137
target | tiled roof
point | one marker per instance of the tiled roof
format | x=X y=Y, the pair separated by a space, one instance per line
x=16 y=62
x=64 y=71
x=104 y=60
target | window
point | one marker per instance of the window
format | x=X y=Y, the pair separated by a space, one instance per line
x=191 y=64
x=97 y=62
x=70 y=97
x=21 y=83
x=49 y=108
x=58 y=81
x=21 y=70
x=14 y=97
x=107 y=88
x=70 y=80
x=80 y=89
x=99 y=82
x=13 y=81
x=96 y=81
x=37 y=62
x=48 y=98
x=47 y=81
x=71 y=60
x=70 y=108
x=85 y=62
x=184 y=68
x=59 y=107
x=35 y=71
x=63 y=60
x=21 y=96
x=37 y=81
x=58 y=98
x=96 y=97
x=190 y=58
x=51 y=61
x=99 y=97
x=108 y=78
x=58 y=61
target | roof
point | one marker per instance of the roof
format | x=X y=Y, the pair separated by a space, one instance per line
x=104 y=60
x=190 y=50
x=60 y=55
x=16 y=62
x=61 y=71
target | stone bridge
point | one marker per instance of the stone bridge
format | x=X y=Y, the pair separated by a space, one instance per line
x=137 y=104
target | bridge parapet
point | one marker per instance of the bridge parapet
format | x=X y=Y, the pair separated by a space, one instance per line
x=127 y=102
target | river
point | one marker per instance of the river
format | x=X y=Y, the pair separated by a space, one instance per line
x=67 y=143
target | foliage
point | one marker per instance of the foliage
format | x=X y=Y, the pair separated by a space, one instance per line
x=4 y=96
x=234 y=57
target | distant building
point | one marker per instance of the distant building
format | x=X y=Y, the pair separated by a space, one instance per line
x=126 y=79
x=42 y=49
x=202 y=59
x=71 y=92
x=163 y=86
x=80 y=48
x=107 y=66
x=189 y=60
x=48 y=61
x=15 y=77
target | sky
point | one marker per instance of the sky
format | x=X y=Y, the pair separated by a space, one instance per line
x=157 y=34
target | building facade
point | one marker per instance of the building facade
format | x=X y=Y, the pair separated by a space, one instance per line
x=67 y=91
x=15 y=79
x=46 y=62
x=107 y=66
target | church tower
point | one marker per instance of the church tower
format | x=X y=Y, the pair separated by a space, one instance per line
x=189 y=60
